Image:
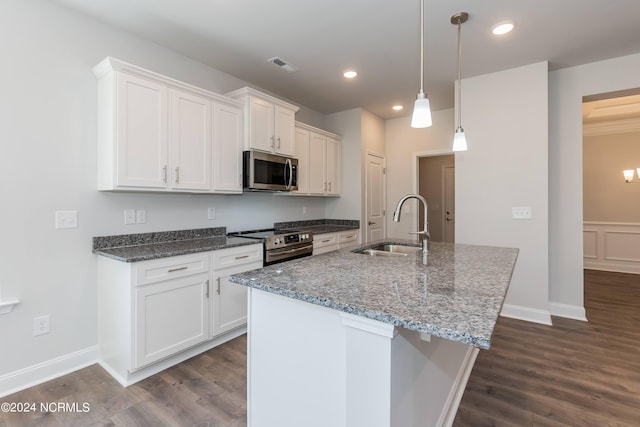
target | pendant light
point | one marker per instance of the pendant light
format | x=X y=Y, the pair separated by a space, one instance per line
x=421 y=117
x=459 y=139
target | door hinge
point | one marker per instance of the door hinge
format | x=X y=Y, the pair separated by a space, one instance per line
x=384 y=212
x=384 y=171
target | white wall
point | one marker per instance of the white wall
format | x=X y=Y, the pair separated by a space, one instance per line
x=566 y=89
x=48 y=119
x=361 y=132
x=505 y=118
x=348 y=125
x=403 y=145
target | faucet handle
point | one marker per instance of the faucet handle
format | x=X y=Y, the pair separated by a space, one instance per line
x=423 y=232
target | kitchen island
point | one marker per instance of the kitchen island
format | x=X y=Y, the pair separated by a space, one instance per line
x=348 y=339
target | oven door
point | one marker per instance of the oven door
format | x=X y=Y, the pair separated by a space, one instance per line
x=263 y=171
x=275 y=256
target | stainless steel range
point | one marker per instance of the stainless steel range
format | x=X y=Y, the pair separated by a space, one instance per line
x=281 y=246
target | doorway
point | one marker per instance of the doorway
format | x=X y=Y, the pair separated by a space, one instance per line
x=611 y=206
x=436 y=183
x=375 y=197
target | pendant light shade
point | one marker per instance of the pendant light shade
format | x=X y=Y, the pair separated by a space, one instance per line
x=421 y=117
x=459 y=139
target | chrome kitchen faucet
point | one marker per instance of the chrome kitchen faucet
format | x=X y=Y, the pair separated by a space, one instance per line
x=424 y=234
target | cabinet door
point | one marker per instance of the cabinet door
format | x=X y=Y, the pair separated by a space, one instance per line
x=333 y=166
x=190 y=141
x=285 y=124
x=141 y=133
x=231 y=310
x=302 y=154
x=227 y=149
x=170 y=317
x=317 y=163
x=261 y=124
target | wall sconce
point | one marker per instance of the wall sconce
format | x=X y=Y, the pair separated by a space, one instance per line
x=629 y=174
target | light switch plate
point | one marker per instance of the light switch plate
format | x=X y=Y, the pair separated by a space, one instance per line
x=129 y=216
x=141 y=216
x=211 y=213
x=66 y=219
x=521 y=212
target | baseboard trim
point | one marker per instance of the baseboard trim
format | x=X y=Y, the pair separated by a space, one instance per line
x=448 y=414
x=526 y=313
x=36 y=374
x=615 y=267
x=574 y=312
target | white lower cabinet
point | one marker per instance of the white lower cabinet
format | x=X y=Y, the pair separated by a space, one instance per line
x=229 y=309
x=327 y=242
x=154 y=314
x=169 y=317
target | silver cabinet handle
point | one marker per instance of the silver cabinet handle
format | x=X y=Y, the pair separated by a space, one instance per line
x=329 y=186
x=218 y=290
x=164 y=174
x=243 y=256
x=171 y=270
x=278 y=142
x=271 y=145
x=177 y=174
x=207 y=290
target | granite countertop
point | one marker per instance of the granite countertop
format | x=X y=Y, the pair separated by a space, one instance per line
x=146 y=246
x=318 y=226
x=328 y=228
x=457 y=296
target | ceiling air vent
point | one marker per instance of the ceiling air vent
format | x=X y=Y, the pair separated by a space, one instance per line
x=283 y=64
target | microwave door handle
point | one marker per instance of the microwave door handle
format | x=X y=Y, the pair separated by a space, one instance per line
x=288 y=167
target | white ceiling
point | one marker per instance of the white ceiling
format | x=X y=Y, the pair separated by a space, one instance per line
x=378 y=38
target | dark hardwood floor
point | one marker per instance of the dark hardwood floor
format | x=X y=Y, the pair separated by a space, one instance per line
x=207 y=390
x=571 y=374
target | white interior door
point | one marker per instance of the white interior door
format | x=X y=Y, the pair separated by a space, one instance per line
x=375 y=194
x=449 y=204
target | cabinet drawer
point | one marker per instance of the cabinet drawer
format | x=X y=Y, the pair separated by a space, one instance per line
x=236 y=256
x=348 y=237
x=158 y=270
x=328 y=239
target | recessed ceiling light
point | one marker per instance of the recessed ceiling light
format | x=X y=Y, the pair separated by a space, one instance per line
x=350 y=74
x=502 y=28
x=397 y=107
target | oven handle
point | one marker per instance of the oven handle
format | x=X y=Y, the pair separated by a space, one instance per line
x=290 y=251
x=290 y=180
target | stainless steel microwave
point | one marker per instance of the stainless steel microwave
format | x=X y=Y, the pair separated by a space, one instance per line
x=263 y=171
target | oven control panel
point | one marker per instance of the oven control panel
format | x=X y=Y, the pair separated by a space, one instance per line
x=288 y=239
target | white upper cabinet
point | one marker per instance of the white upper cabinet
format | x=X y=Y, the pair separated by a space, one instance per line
x=318 y=154
x=302 y=152
x=269 y=122
x=190 y=124
x=227 y=149
x=159 y=134
x=317 y=163
x=333 y=166
x=137 y=137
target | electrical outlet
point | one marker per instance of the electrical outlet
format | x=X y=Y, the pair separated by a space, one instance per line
x=523 y=212
x=129 y=216
x=141 y=216
x=211 y=213
x=66 y=219
x=41 y=325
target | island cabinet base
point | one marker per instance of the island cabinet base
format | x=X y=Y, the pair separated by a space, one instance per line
x=311 y=366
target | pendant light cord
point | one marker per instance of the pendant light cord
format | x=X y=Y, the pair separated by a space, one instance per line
x=459 y=77
x=421 y=46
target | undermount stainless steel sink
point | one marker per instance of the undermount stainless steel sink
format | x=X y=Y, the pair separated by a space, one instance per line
x=390 y=250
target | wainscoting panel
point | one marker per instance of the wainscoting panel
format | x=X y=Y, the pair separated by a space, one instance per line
x=612 y=246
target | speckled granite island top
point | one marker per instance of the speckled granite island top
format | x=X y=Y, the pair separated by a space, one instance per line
x=457 y=296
